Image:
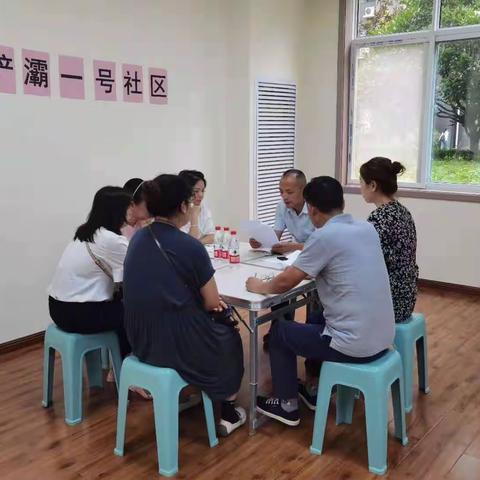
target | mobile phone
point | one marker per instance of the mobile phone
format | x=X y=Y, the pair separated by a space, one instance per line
x=282 y=258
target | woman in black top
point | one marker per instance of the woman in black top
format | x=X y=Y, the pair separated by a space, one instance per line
x=167 y=297
x=396 y=229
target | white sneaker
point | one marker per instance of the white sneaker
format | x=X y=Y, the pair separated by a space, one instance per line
x=225 y=427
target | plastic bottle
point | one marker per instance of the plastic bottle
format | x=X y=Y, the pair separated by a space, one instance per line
x=217 y=242
x=234 y=249
x=225 y=242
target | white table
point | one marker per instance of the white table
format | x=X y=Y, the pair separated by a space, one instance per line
x=231 y=285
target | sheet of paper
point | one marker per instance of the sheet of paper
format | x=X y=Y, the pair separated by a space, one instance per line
x=260 y=232
x=272 y=261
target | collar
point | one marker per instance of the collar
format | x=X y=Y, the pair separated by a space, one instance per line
x=303 y=212
x=340 y=218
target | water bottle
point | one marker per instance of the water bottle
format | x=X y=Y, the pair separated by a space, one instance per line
x=225 y=242
x=234 y=250
x=217 y=242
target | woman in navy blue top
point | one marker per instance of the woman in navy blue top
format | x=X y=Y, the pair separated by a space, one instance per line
x=168 y=295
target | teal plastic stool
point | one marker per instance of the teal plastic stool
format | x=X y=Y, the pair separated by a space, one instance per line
x=73 y=348
x=164 y=384
x=374 y=380
x=409 y=335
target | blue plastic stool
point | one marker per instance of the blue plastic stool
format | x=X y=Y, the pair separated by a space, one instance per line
x=413 y=333
x=374 y=380
x=73 y=347
x=164 y=384
x=105 y=359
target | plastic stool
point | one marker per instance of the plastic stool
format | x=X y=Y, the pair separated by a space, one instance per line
x=410 y=334
x=164 y=384
x=73 y=347
x=374 y=380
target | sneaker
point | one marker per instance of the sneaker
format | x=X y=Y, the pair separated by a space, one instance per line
x=225 y=428
x=272 y=407
x=309 y=400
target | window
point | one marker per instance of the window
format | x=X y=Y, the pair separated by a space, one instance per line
x=414 y=90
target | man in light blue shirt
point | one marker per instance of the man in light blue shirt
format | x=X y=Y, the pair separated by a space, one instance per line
x=358 y=325
x=291 y=213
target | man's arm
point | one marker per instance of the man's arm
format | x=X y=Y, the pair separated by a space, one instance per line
x=286 y=247
x=283 y=282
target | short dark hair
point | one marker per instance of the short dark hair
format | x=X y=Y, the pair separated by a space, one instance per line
x=324 y=193
x=165 y=194
x=109 y=209
x=383 y=172
x=134 y=188
x=294 y=172
x=192 y=177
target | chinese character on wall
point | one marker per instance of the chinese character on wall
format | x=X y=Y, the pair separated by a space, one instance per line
x=7 y=70
x=105 y=80
x=36 y=73
x=158 y=85
x=72 y=84
x=132 y=83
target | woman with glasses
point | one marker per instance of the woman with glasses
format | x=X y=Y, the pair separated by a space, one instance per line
x=169 y=294
x=201 y=224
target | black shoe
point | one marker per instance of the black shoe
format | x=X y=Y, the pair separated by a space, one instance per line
x=271 y=407
x=226 y=427
x=309 y=400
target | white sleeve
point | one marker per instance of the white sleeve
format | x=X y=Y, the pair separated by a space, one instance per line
x=206 y=222
x=115 y=256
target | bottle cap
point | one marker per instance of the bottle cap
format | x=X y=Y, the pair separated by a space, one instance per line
x=234 y=232
x=218 y=227
x=226 y=228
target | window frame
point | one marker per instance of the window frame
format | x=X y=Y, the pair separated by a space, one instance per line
x=348 y=45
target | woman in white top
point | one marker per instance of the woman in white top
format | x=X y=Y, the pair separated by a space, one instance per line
x=137 y=213
x=201 y=224
x=81 y=294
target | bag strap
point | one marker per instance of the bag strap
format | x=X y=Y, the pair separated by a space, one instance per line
x=169 y=260
x=99 y=263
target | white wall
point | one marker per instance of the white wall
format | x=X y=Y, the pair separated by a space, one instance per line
x=448 y=232
x=57 y=152
x=264 y=43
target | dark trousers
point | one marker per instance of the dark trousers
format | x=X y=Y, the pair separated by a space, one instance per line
x=288 y=315
x=291 y=339
x=91 y=317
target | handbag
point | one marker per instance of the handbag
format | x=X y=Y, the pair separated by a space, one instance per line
x=228 y=316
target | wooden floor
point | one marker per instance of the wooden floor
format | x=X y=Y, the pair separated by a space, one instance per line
x=443 y=429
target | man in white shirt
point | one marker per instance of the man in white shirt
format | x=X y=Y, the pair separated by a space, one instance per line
x=291 y=213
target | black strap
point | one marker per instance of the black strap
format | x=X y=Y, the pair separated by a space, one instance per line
x=172 y=264
x=169 y=260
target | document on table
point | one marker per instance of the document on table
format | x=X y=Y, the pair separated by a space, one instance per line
x=261 y=232
x=274 y=262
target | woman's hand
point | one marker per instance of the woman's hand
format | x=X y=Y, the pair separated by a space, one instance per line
x=221 y=306
x=255 y=285
x=254 y=243
x=194 y=214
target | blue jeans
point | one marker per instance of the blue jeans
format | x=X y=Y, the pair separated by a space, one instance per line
x=291 y=339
